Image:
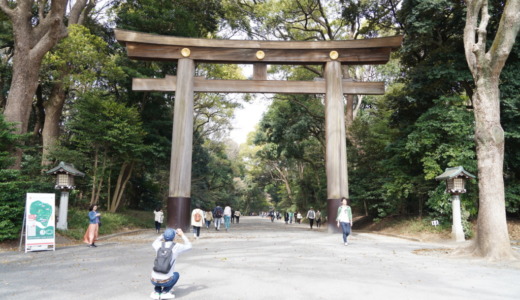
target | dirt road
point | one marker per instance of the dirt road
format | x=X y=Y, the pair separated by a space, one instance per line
x=258 y=259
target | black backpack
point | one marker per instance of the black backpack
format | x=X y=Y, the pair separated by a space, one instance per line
x=218 y=213
x=163 y=261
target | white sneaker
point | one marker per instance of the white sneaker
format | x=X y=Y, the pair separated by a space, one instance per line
x=346 y=244
x=168 y=295
x=155 y=295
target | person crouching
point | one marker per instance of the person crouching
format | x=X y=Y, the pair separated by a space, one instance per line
x=164 y=281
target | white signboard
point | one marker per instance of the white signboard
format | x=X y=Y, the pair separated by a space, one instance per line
x=39 y=222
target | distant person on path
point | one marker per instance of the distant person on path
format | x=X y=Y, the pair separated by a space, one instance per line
x=232 y=216
x=272 y=215
x=208 y=216
x=237 y=216
x=197 y=219
x=318 y=218
x=344 y=219
x=164 y=282
x=218 y=213
x=291 y=216
x=286 y=217
x=227 y=216
x=159 y=217
x=311 y=214
x=299 y=218
x=91 y=234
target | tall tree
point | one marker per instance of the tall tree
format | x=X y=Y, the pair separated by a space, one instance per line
x=75 y=65
x=486 y=62
x=37 y=27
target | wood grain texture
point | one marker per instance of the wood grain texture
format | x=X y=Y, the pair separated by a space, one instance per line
x=336 y=150
x=169 y=84
x=182 y=135
x=125 y=36
x=357 y=56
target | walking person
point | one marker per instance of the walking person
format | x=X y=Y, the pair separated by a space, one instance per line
x=208 y=216
x=227 y=216
x=164 y=280
x=237 y=216
x=311 y=214
x=299 y=218
x=291 y=216
x=218 y=213
x=286 y=217
x=92 y=232
x=159 y=217
x=318 y=218
x=232 y=216
x=197 y=219
x=344 y=219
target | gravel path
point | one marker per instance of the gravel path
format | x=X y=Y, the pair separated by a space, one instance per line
x=258 y=259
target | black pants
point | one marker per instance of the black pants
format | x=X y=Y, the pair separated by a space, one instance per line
x=157 y=226
x=238 y=219
x=311 y=222
x=196 y=230
x=318 y=222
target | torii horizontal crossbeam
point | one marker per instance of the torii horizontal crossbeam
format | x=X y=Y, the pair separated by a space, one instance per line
x=356 y=52
x=200 y=84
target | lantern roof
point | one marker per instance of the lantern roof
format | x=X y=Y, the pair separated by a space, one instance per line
x=455 y=172
x=65 y=168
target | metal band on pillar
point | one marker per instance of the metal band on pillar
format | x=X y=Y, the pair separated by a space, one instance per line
x=179 y=194
x=179 y=208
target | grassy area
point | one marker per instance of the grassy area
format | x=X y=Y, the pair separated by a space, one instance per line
x=111 y=222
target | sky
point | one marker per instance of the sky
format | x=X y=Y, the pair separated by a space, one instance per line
x=248 y=117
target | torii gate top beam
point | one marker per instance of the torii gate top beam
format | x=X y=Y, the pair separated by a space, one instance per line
x=355 y=52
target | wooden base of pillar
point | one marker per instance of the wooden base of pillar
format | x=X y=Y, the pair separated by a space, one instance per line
x=332 y=211
x=178 y=209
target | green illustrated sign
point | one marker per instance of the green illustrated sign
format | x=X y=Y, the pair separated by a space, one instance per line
x=40 y=223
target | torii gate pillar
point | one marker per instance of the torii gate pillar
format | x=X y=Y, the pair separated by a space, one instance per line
x=179 y=194
x=336 y=152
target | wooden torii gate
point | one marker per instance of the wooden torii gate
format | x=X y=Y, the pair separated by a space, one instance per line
x=188 y=51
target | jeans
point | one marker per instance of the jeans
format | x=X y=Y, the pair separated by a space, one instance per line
x=196 y=231
x=208 y=223
x=345 y=227
x=227 y=220
x=217 y=223
x=163 y=288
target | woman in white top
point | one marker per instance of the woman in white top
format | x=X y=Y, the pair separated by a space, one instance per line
x=159 y=217
x=197 y=219
x=344 y=219
x=227 y=216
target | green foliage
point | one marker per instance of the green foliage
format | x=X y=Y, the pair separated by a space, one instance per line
x=77 y=222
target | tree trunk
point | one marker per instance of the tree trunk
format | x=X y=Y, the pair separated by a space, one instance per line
x=21 y=93
x=492 y=235
x=51 y=126
x=31 y=43
x=486 y=65
x=124 y=175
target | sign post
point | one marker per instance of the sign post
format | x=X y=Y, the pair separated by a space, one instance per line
x=40 y=230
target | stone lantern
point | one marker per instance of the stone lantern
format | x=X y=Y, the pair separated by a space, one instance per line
x=455 y=185
x=65 y=182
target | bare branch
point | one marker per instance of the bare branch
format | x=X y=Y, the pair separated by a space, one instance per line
x=506 y=35
x=6 y=9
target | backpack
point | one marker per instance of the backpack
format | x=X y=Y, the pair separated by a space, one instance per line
x=163 y=261
x=218 y=212
x=197 y=217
